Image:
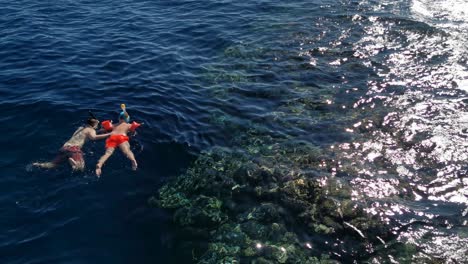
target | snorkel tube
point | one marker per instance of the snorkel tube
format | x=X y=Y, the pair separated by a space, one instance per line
x=107 y=124
x=126 y=117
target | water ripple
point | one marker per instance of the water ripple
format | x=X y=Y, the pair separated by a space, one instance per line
x=381 y=86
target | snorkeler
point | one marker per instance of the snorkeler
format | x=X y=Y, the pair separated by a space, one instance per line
x=71 y=150
x=119 y=139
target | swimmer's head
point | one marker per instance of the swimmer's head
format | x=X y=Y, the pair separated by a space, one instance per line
x=92 y=122
x=124 y=116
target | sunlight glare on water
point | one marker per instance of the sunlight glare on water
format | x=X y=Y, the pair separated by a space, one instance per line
x=453 y=17
x=418 y=157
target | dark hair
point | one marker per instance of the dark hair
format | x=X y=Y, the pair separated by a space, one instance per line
x=92 y=121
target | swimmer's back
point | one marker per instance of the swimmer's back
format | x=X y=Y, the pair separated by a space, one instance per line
x=121 y=129
x=78 y=138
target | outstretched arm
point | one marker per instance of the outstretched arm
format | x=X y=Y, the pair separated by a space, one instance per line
x=92 y=135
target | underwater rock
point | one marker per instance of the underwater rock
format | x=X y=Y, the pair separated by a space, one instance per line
x=299 y=194
x=268 y=192
x=265 y=213
x=248 y=172
x=277 y=233
x=169 y=198
x=255 y=230
x=262 y=261
x=349 y=210
x=234 y=245
x=203 y=212
x=220 y=253
x=232 y=234
x=252 y=208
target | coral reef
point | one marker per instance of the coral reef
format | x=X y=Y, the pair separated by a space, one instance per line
x=269 y=201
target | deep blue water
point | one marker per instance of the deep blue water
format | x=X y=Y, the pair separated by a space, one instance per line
x=200 y=73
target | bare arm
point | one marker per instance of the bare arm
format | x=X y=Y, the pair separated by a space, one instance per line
x=92 y=135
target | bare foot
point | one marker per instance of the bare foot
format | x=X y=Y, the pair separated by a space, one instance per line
x=98 y=170
x=73 y=163
x=134 y=165
x=45 y=165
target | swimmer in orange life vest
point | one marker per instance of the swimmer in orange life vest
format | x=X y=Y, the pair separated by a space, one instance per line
x=119 y=139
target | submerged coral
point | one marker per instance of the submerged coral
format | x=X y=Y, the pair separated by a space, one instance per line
x=274 y=196
x=271 y=206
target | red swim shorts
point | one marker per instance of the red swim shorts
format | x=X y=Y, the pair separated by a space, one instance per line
x=66 y=152
x=115 y=140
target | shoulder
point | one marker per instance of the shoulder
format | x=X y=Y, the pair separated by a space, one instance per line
x=88 y=130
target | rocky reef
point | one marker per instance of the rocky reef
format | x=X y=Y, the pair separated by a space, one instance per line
x=273 y=201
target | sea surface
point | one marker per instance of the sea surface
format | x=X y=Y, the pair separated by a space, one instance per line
x=381 y=85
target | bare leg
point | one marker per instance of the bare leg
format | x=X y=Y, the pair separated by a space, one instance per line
x=45 y=165
x=72 y=163
x=125 y=148
x=103 y=159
